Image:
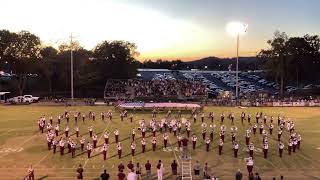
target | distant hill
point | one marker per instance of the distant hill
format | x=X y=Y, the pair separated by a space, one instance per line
x=215 y=63
x=212 y=63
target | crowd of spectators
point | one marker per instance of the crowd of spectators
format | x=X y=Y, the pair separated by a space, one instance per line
x=154 y=88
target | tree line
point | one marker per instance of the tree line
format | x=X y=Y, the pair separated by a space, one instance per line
x=292 y=60
x=45 y=70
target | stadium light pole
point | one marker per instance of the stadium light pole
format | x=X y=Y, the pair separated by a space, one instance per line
x=237 y=28
x=71 y=66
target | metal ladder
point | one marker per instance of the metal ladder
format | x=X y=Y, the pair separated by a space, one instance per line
x=186 y=169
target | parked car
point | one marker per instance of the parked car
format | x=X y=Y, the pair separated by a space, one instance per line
x=31 y=99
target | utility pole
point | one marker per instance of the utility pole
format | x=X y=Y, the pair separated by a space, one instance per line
x=237 y=71
x=71 y=66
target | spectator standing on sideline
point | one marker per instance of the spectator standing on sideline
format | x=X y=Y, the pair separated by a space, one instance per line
x=132 y=175
x=160 y=170
x=174 y=168
x=238 y=175
x=257 y=177
x=138 y=171
x=121 y=175
x=148 y=169
x=196 y=169
x=205 y=170
x=105 y=175
x=251 y=176
x=80 y=172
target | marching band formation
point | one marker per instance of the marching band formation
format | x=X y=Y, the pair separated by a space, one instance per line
x=179 y=127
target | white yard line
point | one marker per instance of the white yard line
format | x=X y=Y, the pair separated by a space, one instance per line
x=6 y=132
x=43 y=158
x=85 y=163
x=174 y=153
x=21 y=144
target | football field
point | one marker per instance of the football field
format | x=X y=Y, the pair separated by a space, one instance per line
x=22 y=144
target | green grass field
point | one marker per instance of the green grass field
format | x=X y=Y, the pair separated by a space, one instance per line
x=21 y=144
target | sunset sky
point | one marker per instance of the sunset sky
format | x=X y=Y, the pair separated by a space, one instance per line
x=167 y=29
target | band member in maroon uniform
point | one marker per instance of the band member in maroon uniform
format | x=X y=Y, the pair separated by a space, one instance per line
x=265 y=150
x=243 y=115
x=119 y=148
x=194 y=141
x=133 y=133
x=59 y=119
x=133 y=148
x=202 y=117
x=299 y=141
x=143 y=132
x=204 y=130
x=116 y=135
x=73 y=149
x=83 y=117
x=131 y=117
x=235 y=147
x=154 y=130
x=222 y=117
x=249 y=162
x=254 y=128
x=104 y=150
x=265 y=119
x=251 y=149
x=51 y=119
x=220 y=146
x=207 y=141
x=222 y=136
x=67 y=117
x=77 y=131
x=211 y=115
x=61 y=144
x=30 y=173
x=106 y=137
x=290 y=146
x=102 y=116
x=66 y=131
x=247 y=137
x=54 y=146
x=188 y=130
x=294 y=144
x=41 y=124
x=279 y=134
x=165 y=140
x=249 y=118
x=261 y=128
x=233 y=136
x=82 y=141
x=143 y=144
x=56 y=129
x=89 y=149
x=95 y=140
x=174 y=128
x=179 y=138
x=257 y=118
x=76 y=118
x=154 y=143
x=90 y=131
x=121 y=116
x=232 y=117
x=281 y=147
x=93 y=116
x=270 y=128
x=49 y=141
